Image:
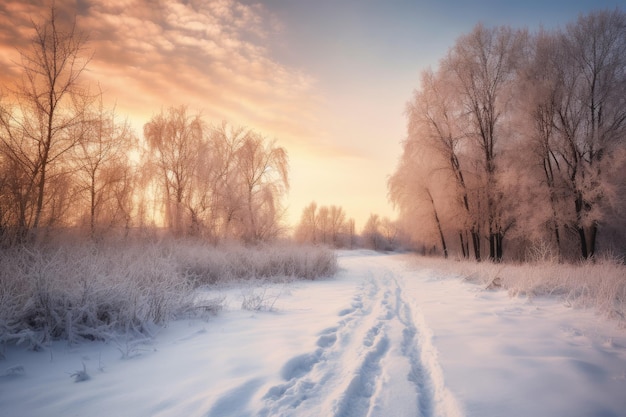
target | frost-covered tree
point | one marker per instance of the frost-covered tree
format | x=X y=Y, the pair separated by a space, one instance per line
x=220 y=182
x=530 y=131
x=338 y=226
x=326 y=225
x=306 y=230
x=419 y=188
x=263 y=178
x=437 y=128
x=571 y=94
x=538 y=91
x=221 y=200
x=483 y=66
x=591 y=115
x=174 y=137
x=35 y=133
x=457 y=119
x=103 y=170
x=372 y=236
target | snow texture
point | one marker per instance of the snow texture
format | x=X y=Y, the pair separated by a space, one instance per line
x=380 y=339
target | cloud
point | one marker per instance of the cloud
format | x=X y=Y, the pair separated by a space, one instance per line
x=148 y=54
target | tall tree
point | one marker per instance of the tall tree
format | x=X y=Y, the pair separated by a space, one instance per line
x=51 y=102
x=591 y=116
x=337 y=225
x=219 y=201
x=326 y=225
x=262 y=169
x=437 y=122
x=307 y=229
x=419 y=180
x=174 y=138
x=103 y=168
x=539 y=90
x=372 y=233
x=484 y=64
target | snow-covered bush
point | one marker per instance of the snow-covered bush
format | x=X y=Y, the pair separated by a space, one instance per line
x=205 y=264
x=97 y=291
x=259 y=300
x=86 y=292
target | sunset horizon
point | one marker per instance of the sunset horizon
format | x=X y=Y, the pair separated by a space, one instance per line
x=328 y=81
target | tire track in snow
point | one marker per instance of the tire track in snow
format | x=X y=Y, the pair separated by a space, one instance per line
x=327 y=375
x=381 y=344
x=356 y=400
x=434 y=397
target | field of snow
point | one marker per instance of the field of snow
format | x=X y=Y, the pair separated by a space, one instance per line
x=381 y=338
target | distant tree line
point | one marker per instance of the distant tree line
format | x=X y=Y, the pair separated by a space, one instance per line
x=518 y=139
x=329 y=226
x=68 y=162
x=326 y=226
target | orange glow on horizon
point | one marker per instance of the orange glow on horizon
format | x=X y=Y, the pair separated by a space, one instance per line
x=215 y=58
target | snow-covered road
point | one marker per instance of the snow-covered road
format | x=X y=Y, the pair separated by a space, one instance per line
x=383 y=338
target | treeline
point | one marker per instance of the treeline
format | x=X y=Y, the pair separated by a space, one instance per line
x=68 y=162
x=517 y=140
x=330 y=226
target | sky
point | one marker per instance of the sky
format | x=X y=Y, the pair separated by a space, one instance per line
x=328 y=80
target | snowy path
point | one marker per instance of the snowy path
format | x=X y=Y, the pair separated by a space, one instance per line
x=374 y=362
x=381 y=339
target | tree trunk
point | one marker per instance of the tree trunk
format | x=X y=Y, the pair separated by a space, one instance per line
x=465 y=254
x=92 y=212
x=476 y=244
x=578 y=204
x=499 y=247
x=441 y=236
x=583 y=243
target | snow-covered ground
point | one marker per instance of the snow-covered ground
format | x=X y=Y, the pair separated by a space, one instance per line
x=382 y=338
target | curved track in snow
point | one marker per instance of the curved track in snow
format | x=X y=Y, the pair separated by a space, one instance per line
x=377 y=360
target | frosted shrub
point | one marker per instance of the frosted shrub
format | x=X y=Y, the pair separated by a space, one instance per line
x=600 y=284
x=98 y=291
x=209 y=265
x=259 y=300
x=85 y=292
x=81 y=375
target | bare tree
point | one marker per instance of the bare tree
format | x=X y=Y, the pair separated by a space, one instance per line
x=437 y=122
x=262 y=169
x=103 y=169
x=484 y=65
x=326 y=225
x=307 y=229
x=174 y=138
x=337 y=225
x=351 y=233
x=591 y=116
x=372 y=233
x=538 y=90
x=218 y=200
x=413 y=188
x=51 y=101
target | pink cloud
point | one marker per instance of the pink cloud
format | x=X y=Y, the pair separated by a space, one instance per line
x=209 y=54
